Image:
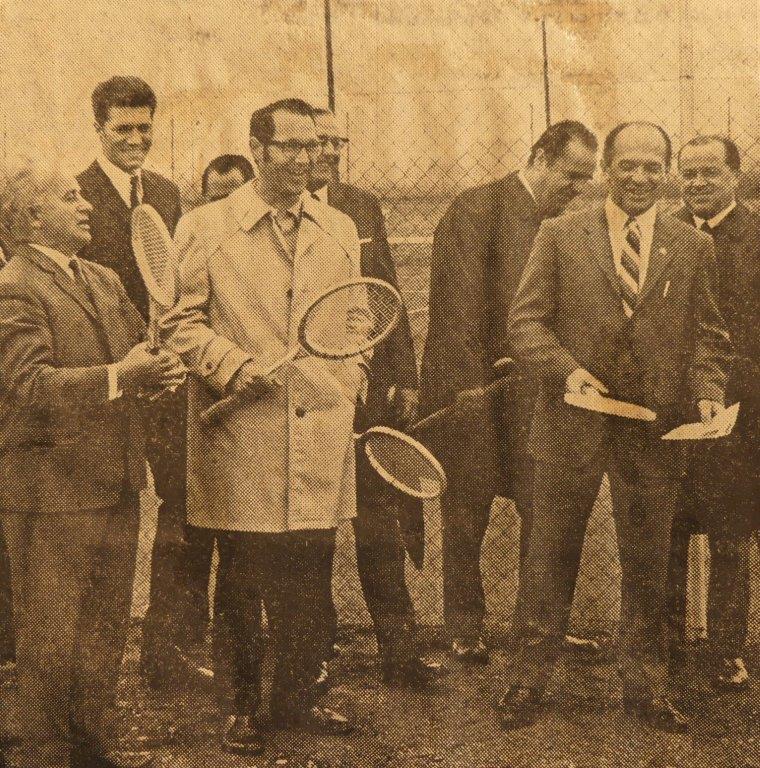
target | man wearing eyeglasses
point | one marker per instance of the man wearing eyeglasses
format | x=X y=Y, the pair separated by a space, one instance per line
x=391 y=400
x=274 y=477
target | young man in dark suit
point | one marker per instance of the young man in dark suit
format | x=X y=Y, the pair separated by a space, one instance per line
x=480 y=248
x=391 y=400
x=115 y=183
x=616 y=298
x=72 y=461
x=721 y=489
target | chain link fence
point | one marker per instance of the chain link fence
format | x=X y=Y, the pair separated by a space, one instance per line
x=421 y=131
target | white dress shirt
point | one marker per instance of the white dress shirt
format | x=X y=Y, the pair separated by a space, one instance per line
x=524 y=180
x=321 y=194
x=64 y=262
x=715 y=220
x=616 y=221
x=122 y=180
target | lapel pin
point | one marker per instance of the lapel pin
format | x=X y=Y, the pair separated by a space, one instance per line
x=666 y=289
x=663 y=252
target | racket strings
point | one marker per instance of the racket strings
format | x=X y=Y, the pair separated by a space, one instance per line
x=351 y=319
x=405 y=463
x=153 y=252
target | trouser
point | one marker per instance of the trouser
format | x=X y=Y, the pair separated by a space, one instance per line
x=181 y=559
x=287 y=571
x=7 y=640
x=464 y=517
x=72 y=588
x=720 y=499
x=644 y=501
x=380 y=560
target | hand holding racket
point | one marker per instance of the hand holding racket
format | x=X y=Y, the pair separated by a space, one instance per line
x=347 y=320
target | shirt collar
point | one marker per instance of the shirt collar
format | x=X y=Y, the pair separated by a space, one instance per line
x=617 y=218
x=58 y=258
x=524 y=180
x=250 y=208
x=119 y=177
x=321 y=194
x=715 y=220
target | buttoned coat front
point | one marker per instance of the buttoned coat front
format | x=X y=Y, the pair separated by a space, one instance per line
x=285 y=461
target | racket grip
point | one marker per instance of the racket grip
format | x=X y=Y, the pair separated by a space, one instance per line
x=435 y=418
x=153 y=333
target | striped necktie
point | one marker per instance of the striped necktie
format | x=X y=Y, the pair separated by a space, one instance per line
x=135 y=198
x=630 y=266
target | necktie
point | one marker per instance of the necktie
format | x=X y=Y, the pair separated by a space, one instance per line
x=286 y=229
x=81 y=281
x=134 y=191
x=630 y=266
x=705 y=227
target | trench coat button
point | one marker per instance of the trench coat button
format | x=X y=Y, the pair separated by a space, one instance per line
x=300 y=412
x=209 y=366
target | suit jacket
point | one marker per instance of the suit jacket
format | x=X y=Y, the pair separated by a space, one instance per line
x=63 y=445
x=480 y=249
x=737 y=257
x=110 y=225
x=568 y=314
x=393 y=361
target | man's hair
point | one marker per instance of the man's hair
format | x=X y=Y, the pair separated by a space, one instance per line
x=121 y=91
x=555 y=139
x=224 y=164
x=733 y=158
x=21 y=186
x=262 y=121
x=609 y=142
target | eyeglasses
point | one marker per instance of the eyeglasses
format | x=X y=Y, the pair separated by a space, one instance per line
x=292 y=149
x=337 y=143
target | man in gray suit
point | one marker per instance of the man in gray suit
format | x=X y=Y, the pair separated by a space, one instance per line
x=616 y=299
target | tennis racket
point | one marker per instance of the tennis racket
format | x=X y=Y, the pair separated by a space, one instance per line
x=156 y=259
x=403 y=462
x=347 y=320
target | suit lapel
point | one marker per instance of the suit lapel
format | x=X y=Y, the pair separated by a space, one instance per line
x=112 y=325
x=598 y=235
x=659 y=256
x=62 y=281
x=110 y=198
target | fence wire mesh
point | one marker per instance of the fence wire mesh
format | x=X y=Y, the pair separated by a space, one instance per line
x=422 y=132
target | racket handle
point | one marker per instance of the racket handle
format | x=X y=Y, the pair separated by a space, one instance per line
x=436 y=417
x=153 y=333
x=292 y=355
x=218 y=410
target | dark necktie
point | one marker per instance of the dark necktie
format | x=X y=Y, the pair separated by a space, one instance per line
x=134 y=191
x=705 y=227
x=81 y=281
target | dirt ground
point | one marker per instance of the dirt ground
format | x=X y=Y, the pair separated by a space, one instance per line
x=455 y=726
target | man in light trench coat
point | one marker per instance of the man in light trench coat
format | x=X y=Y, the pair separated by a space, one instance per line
x=275 y=476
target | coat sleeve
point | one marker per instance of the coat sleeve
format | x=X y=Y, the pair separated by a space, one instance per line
x=531 y=318
x=399 y=345
x=30 y=378
x=186 y=328
x=711 y=361
x=455 y=357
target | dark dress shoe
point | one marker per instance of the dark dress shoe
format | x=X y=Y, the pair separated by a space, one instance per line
x=414 y=673
x=117 y=758
x=242 y=737
x=470 y=651
x=659 y=713
x=519 y=707
x=732 y=675
x=316 y=719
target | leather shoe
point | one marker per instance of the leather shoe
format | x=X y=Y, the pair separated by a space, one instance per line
x=116 y=758
x=414 y=673
x=732 y=675
x=242 y=737
x=316 y=719
x=470 y=651
x=659 y=713
x=519 y=707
